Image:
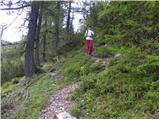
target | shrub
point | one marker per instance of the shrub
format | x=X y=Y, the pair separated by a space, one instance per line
x=11 y=69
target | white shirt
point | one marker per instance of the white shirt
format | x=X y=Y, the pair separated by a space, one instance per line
x=89 y=34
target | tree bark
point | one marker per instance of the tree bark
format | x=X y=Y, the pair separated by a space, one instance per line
x=94 y=15
x=29 y=65
x=68 y=17
x=44 y=41
x=37 y=61
x=57 y=28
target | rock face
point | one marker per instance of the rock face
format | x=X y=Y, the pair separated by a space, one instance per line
x=65 y=115
x=119 y=55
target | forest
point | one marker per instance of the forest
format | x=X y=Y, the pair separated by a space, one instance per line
x=49 y=75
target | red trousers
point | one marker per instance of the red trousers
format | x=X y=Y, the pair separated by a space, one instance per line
x=89 y=46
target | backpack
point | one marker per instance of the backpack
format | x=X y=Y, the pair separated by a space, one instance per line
x=87 y=34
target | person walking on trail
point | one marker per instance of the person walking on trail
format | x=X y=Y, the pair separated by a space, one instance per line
x=89 y=41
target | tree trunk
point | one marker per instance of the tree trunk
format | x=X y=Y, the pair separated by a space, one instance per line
x=68 y=17
x=37 y=61
x=44 y=41
x=57 y=28
x=29 y=65
x=94 y=15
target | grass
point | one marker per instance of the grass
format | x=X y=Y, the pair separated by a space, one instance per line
x=39 y=93
x=125 y=84
x=121 y=85
x=37 y=99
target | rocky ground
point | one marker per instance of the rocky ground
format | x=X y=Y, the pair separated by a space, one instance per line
x=58 y=102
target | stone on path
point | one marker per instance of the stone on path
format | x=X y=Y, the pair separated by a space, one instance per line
x=65 y=115
x=118 y=55
x=58 y=103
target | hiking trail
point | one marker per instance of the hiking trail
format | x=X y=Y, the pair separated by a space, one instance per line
x=58 y=104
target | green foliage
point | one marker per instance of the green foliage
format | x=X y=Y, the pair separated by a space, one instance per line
x=11 y=69
x=75 y=110
x=37 y=99
x=40 y=91
x=105 y=51
x=12 y=62
x=121 y=85
x=129 y=84
x=128 y=23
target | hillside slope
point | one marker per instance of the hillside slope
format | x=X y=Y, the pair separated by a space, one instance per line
x=103 y=89
x=128 y=86
x=119 y=81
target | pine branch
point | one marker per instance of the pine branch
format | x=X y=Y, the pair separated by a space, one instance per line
x=16 y=8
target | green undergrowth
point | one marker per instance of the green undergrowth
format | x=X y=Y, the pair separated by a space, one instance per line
x=127 y=88
x=12 y=61
x=39 y=94
x=28 y=103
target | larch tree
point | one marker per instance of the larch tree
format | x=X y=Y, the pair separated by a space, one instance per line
x=29 y=65
x=68 y=17
x=57 y=22
x=44 y=40
x=37 y=37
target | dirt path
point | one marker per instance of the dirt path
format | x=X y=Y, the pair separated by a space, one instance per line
x=58 y=102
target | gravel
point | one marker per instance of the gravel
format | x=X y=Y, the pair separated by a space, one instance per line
x=58 y=102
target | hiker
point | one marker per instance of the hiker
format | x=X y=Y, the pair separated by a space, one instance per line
x=89 y=41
